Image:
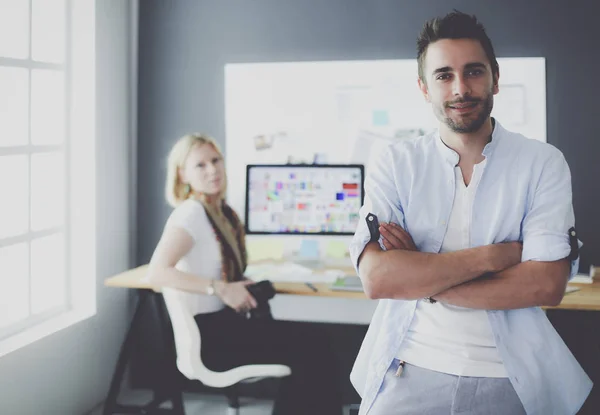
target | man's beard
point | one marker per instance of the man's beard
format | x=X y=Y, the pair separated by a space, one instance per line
x=465 y=126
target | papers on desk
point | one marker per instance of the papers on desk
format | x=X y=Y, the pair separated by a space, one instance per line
x=582 y=279
x=290 y=272
x=348 y=283
x=585 y=278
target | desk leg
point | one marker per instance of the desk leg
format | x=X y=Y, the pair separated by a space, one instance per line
x=163 y=390
x=110 y=405
x=169 y=387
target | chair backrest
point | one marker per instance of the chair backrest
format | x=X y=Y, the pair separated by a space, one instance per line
x=188 y=341
x=185 y=332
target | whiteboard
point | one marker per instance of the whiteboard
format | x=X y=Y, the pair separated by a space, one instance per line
x=338 y=111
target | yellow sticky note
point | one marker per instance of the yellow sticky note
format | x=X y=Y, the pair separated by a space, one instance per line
x=263 y=249
x=336 y=249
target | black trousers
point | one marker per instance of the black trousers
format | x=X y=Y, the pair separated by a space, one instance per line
x=230 y=340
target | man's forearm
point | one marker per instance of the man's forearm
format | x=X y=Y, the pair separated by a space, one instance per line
x=403 y=274
x=527 y=284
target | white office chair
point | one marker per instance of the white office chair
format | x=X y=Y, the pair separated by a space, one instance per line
x=187 y=345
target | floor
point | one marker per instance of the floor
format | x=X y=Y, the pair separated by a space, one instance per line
x=196 y=404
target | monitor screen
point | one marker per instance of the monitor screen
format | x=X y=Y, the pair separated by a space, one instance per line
x=303 y=199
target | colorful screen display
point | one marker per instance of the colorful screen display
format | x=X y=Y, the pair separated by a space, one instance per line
x=303 y=199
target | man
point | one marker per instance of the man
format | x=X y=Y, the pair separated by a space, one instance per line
x=474 y=238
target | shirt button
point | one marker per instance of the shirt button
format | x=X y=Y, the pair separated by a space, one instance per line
x=443 y=222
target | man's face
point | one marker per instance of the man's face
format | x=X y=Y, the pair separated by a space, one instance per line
x=459 y=83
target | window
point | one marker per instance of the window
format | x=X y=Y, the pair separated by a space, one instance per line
x=39 y=163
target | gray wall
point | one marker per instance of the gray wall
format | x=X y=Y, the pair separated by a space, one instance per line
x=184 y=45
x=68 y=372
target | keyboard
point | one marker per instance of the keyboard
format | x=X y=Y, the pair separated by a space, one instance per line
x=347 y=283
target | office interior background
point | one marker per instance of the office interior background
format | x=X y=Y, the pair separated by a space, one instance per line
x=158 y=67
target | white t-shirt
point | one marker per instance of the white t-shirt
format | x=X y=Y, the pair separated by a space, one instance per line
x=204 y=258
x=447 y=338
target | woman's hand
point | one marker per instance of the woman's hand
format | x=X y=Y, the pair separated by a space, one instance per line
x=235 y=295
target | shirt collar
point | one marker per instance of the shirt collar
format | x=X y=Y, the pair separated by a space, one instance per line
x=452 y=157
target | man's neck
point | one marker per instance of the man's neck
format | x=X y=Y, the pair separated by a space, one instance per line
x=469 y=146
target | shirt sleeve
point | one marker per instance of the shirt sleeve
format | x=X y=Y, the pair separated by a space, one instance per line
x=381 y=199
x=546 y=224
x=191 y=217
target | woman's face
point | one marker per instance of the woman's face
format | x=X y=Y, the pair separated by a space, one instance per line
x=204 y=170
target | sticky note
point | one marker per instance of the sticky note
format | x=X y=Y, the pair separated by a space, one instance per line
x=309 y=249
x=336 y=249
x=380 y=118
x=263 y=249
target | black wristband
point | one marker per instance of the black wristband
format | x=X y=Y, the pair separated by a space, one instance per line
x=574 y=254
x=373 y=225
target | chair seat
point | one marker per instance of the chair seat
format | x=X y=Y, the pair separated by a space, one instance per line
x=240 y=374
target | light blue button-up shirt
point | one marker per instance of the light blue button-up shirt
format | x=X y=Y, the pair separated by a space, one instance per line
x=524 y=195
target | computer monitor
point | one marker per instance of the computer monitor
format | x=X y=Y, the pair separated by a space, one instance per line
x=305 y=199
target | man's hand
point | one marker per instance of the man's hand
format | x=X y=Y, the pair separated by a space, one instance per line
x=395 y=237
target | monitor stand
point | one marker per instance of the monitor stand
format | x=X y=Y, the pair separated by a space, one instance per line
x=312 y=263
x=309 y=254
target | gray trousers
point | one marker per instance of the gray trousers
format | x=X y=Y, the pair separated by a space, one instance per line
x=426 y=392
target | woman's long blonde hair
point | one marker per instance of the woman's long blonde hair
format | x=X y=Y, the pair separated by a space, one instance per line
x=176 y=191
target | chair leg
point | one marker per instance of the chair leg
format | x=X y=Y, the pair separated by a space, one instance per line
x=233 y=399
x=233 y=411
x=354 y=408
x=170 y=386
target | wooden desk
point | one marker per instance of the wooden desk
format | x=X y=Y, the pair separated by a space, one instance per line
x=134 y=278
x=588 y=298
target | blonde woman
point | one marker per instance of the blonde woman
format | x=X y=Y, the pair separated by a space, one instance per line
x=202 y=251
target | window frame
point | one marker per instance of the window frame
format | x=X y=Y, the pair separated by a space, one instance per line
x=78 y=228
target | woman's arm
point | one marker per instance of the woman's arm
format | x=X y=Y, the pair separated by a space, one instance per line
x=173 y=245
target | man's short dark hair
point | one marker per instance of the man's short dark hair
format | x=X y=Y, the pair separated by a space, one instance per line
x=455 y=25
